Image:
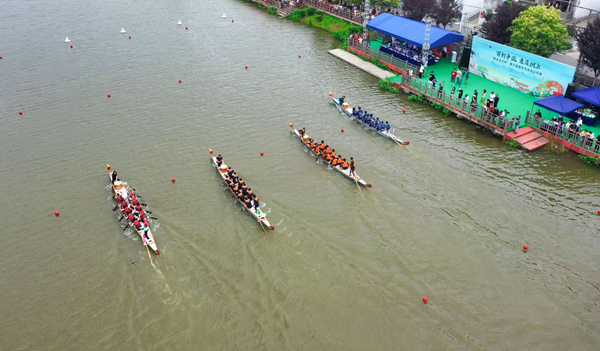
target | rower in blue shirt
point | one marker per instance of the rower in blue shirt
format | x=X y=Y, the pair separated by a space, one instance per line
x=354 y=111
x=372 y=123
x=387 y=126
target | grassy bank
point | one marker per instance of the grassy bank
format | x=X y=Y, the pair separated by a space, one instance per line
x=315 y=18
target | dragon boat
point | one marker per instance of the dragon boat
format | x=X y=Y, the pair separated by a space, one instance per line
x=345 y=108
x=257 y=213
x=119 y=188
x=346 y=172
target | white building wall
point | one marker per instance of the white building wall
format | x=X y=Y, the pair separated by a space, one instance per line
x=587 y=4
x=475 y=6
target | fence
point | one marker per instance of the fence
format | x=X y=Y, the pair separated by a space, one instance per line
x=562 y=132
x=453 y=103
x=336 y=10
x=397 y=64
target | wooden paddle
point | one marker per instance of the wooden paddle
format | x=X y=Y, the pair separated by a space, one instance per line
x=147 y=250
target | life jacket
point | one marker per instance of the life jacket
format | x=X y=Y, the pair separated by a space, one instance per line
x=321 y=147
x=137 y=224
x=334 y=162
x=127 y=210
x=138 y=207
x=323 y=155
x=339 y=160
x=345 y=165
x=329 y=157
x=353 y=164
x=119 y=198
x=328 y=151
x=312 y=144
x=130 y=217
x=142 y=214
x=134 y=201
x=333 y=154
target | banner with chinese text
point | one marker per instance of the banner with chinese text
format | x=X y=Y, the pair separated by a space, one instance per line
x=528 y=73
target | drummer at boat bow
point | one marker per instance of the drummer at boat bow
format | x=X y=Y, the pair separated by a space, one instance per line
x=341 y=99
x=219 y=160
x=113 y=176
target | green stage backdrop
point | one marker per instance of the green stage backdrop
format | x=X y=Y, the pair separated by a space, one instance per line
x=520 y=70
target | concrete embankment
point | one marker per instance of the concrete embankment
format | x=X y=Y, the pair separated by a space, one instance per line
x=362 y=64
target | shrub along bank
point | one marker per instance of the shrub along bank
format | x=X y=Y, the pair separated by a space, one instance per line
x=341 y=29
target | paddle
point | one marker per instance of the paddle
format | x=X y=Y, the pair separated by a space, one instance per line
x=148 y=251
x=154 y=218
x=116 y=206
x=356 y=181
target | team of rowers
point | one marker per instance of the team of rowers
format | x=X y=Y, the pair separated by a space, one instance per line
x=326 y=153
x=131 y=207
x=238 y=186
x=368 y=119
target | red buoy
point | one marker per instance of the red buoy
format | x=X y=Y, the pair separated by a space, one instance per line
x=525 y=247
x=180 y=81
x=108 y=95
x=130 y=37
x=342 y=130
x=246 y=67
x=173 y=180
x=232 y=21
x=71 y=46
x=262 y=153
x=299 y=56
x=403 y=110
x=599 y=212
x=56 y=213
x=0 y=57
x=186 y=28
x=21 y=112
x=425 y=299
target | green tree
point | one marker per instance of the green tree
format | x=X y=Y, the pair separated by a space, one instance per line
x=417 y=9
x=385 y=4
x=588 y=42
x=445 y=11
x=497 y=28
x=539 y=30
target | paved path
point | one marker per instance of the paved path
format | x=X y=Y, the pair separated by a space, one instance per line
x=362 y=64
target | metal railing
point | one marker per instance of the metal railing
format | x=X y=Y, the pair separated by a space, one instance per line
x=560 y=131
x=366 y=48
x=336 y=10
x=453 y=103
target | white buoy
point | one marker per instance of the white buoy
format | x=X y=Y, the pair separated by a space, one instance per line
x=179 y=23
x=224 y=15
x=67 y=40
x=123 y=31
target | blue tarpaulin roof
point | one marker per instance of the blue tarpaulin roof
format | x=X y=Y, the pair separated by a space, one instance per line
x=591 y=95
x=412 y=31
x=558 y=104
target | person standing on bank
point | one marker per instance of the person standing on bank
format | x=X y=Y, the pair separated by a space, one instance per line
x=496 y=100
x=421 y=70
x=458 y=77
x=517 y=124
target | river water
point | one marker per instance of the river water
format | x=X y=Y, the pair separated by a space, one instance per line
x=345 y=269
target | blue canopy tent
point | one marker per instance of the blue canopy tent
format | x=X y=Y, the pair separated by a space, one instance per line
x=412 y=31
x=591 y=95
x=558 y=104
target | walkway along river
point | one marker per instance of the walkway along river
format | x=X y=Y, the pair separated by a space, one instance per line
x=345 y=269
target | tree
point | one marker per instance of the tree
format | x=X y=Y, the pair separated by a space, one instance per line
x=539 y=30
x=445 y=11
x=417 y=9
x=385 y=4
x=497 y=29
x=588 y=42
